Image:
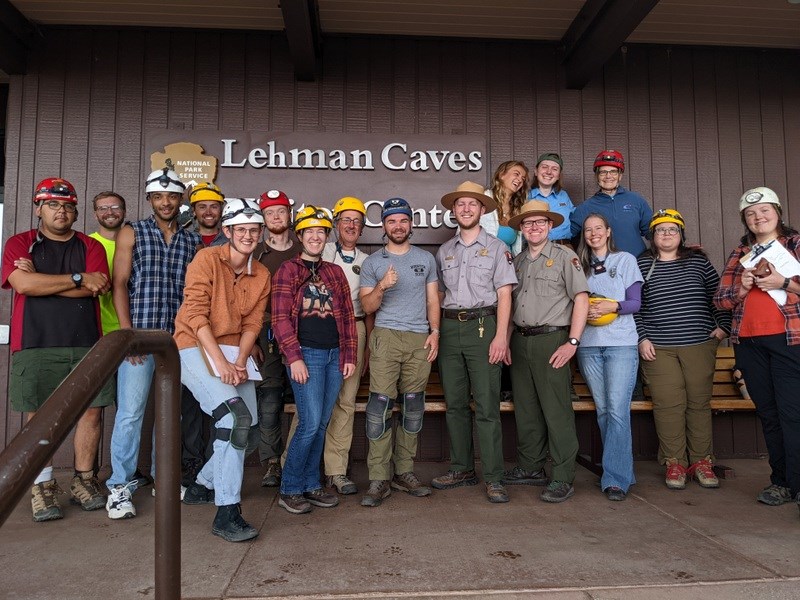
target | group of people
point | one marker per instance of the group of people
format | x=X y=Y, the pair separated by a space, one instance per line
x=265 y=309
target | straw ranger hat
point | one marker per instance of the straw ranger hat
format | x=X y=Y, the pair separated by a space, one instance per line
x=469 y=189
x=534 y=208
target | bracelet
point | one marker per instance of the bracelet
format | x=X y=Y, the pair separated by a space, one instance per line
x=786 y=283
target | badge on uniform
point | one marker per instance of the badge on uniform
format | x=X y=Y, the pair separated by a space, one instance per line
x=356 y=269
x=509 y=258
x=576 y=263
x=484 y=252
x=549 y=263
x=449 y=257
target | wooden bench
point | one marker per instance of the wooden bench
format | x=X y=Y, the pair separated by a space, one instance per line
x=725 y=396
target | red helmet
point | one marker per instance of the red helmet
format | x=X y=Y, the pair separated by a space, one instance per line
x=273 y=198
x=610 y=158
x=55 y=188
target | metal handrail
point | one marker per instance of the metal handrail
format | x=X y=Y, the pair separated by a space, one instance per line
x=39 y=439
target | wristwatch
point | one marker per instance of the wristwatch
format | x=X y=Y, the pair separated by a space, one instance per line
x=786 y=283
x=77 y=279
x=574 y=341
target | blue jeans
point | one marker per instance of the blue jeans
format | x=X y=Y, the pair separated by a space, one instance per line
x=224 y=470
x=133 y=389
x=610 y=372
x=314 y=401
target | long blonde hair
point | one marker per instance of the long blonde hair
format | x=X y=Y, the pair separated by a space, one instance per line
x=517 y=198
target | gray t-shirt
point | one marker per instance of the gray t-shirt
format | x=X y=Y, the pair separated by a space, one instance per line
x=404 y=305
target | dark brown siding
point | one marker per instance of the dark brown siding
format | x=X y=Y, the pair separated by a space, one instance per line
x=697 y=125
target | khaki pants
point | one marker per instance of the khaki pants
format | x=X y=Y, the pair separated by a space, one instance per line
x=681 y=381
x=339 y=435
x=398 y=365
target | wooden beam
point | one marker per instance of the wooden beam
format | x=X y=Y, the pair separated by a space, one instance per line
x=596 y=33
x=17 y=36
x=301 y=22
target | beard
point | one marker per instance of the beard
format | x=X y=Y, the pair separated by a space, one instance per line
x=399 y=237
x=277 y=229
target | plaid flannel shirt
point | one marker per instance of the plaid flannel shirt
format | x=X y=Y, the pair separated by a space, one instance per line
x=727 y=296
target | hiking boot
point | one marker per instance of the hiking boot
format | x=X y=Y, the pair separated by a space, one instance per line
x=676 y=475
x=774 y=495
x=197 y=493
x=519 y=476
x=557 y=491
x=408 y=483
x=615 y=494
x=189 y=470
x=378 y=490
x=296 y=504
x=703 y=472
x=119 y=505
x=86 y=491
x=321 y=498
x=44 y=501
x=342 y=483
x=230 y=526
x=496 y=493
x=141 y=479
x=454 y=479
x=272 y=478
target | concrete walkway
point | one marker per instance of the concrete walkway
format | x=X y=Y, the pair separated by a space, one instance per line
x=675 y=545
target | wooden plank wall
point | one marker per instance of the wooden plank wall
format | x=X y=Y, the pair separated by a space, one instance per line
x=697 y=125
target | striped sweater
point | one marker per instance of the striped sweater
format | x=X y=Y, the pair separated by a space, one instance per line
x=677 y=308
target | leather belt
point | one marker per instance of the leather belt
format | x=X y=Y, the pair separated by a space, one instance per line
x=360 y=318
x=469 y=314
x=539 y=329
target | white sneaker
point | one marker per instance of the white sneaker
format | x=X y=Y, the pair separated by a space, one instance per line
x=183 y=492
x=119 y=505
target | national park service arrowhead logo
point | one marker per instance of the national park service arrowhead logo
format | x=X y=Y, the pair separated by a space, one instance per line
x=189 y=160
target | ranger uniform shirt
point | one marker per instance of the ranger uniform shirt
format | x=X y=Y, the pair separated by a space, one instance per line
x=469 y=275
x=547 y=287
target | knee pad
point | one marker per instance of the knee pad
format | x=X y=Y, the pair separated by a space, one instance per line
x=242 y=420
x=379 y=415
x=413 y=411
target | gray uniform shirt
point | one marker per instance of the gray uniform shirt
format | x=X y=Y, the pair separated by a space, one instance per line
x=470 y=275
x=404 y=305
x=547 y=287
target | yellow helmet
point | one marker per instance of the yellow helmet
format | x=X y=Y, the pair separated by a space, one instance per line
x=604 y=319
x=311 y=216
x=348 y=203
x=204 y=192
x=667 y=215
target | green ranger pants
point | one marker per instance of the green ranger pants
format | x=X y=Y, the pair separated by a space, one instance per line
x=465 y=371
x=542 y=405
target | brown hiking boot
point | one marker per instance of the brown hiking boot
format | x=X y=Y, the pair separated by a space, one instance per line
x=44 y=501
x=496 y=493
x=272 y=478
x=378 y=490
x=86 y=491
x=454 y=479
x=408 y=483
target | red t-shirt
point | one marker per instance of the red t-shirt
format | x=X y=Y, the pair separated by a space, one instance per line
x=761 y=315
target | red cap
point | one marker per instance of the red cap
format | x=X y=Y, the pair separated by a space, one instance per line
x=55 y=188
x=273 y=198
x=610 y=158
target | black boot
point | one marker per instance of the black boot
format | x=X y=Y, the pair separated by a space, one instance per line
x=230 y=526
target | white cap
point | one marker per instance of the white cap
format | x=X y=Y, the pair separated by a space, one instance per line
x=759 y=195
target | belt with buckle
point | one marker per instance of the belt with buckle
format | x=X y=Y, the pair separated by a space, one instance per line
x=539 y=329
x=469 y=314
x=360 y=318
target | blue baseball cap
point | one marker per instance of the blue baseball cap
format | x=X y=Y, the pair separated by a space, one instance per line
x=396 y=206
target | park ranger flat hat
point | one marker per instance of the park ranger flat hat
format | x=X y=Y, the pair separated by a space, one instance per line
x=469 y=189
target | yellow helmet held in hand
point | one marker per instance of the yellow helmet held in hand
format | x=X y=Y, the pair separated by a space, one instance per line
x=348 y=203
x=204 y=192
x=311 y=216
x=604 y=319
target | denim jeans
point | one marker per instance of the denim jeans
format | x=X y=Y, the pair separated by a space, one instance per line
x=610 y=372
x=224 y=470
x=133 y=389
x=314 y=402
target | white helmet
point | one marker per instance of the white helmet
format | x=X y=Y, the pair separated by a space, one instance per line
x=759 y=195
x=239 y=211
x=164 y=180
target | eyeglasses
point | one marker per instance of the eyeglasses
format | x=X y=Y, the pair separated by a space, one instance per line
x=347 y=221
x=528 y=225
x=112 y=208
x=246 y=231
x=608 y=172
x=666 y=231
x=56 y=206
